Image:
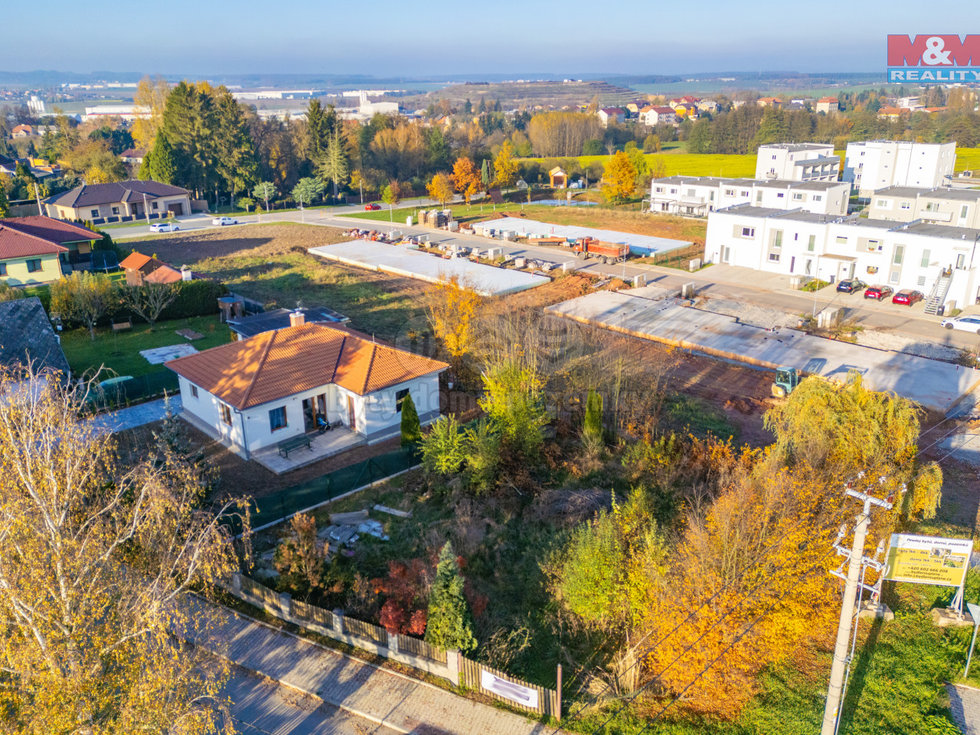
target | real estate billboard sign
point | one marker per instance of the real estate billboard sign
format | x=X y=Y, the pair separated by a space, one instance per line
x=509 y=690
x=928 y=559
x=939 y=57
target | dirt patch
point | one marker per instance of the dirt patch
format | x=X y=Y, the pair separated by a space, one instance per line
x=560 y=289
x=638 y=223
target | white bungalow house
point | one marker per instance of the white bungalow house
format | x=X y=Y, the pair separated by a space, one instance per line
x=258 y=392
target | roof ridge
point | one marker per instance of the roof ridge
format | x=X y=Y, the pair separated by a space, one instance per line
x=258 y=368
x=370 y=367
x=340 y=356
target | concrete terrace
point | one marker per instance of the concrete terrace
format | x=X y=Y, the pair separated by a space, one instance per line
x=934 y=385
x=639 y=244
x=402 y=260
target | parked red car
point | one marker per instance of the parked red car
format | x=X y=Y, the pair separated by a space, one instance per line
x=877 y=292
x=907 y=296
x=371 y=207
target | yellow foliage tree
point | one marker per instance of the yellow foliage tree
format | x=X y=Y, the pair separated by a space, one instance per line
x=440 y=188
x=619 y=179
x=453 y=308
x=504 y=166
x=95 y=562
x=151 y=94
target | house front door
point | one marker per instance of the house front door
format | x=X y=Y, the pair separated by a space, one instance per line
x=351 y=416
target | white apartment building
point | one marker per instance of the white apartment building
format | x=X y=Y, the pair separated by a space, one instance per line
x=653 y=115
x=934 y=259
x=797 y=162
x=940 y=206
x=699 y=195
x=875 y=164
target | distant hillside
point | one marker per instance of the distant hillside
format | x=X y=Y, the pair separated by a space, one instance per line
x=517 y=94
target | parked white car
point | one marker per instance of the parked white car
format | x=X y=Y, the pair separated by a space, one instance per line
x=222 y=221
x=164 y=227
x=964 y=323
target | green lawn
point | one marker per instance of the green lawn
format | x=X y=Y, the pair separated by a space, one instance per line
x=119 y=351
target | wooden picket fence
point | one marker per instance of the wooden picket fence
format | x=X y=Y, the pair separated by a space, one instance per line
x=412 y=651
x=418 y=647
x=548 y=700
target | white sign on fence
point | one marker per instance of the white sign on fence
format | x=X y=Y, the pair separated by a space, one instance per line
x=509 y=690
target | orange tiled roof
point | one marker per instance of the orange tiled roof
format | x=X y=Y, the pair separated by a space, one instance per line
x=134 y=261
x=273 y=365
x=163 y=274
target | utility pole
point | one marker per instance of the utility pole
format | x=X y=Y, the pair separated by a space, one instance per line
x=838 y=670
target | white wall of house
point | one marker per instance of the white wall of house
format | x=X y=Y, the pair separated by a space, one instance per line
x=951 y=207
x=698 y=196
x=375 y=415
x=782 y=161
x=874 y=164
x=837 y=249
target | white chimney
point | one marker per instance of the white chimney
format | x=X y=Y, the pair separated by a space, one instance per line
x=297 y=318
x=185 y=273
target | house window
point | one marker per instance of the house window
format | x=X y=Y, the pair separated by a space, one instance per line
x=277 y=418
x=773 y=257
x=841 y=240
x=3 y=269
x=780 y=195
x=115 y=210
x=899 y=254
x=964 y=211
x=872 y=245
x=660 y=190
x=748 y=232
x=400 y=397
x=194 y=391
x=777 y=239
x=33 y=265
x=905 y=205
x=817 y=198
x=883 y=203
x=729 y=192
x=921 y=281
x=926 y=254
x=225 y=414
x=744 y=194
x=154 y=206
x=932 y=207
x=811 y=243
x=95 y=213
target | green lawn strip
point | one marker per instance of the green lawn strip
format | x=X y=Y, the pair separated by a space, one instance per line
x=295 y=277
x=119 y=351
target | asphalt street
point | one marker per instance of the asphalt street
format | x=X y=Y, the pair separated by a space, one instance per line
x=262 y=707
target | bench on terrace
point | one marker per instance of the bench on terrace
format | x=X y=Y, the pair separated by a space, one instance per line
x=295 y=442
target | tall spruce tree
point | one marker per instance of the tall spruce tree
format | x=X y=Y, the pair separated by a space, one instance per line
x=450 y=624
x=411 y=427
x=161 y=163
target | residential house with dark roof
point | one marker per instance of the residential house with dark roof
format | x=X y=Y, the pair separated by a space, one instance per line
x=28 y=339
x=122 y=201
x=266 y=321
x=37 y=250
x=258 y=392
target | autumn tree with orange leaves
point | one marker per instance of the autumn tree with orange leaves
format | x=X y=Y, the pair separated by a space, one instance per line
x=466 y=178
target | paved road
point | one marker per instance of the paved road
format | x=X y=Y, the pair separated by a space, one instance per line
x=719 y=281
x=964 y=702
x=378 y=695
x=262 y=707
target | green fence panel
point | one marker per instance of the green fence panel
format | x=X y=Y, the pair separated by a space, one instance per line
x=270 y=508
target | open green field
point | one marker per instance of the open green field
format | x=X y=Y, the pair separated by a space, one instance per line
x=119 y=352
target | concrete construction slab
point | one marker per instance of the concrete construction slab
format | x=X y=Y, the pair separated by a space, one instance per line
x=639 y=244
x=934 y=385
x=160 y=355
x=405 y=261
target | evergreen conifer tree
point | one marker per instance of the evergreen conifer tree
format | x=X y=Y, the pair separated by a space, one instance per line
x=450 y=625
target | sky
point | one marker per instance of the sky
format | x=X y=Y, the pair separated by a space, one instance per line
x=440 y=38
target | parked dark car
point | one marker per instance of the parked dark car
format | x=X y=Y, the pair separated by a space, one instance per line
x=877 y=292
x=850 y=285
x=907 y=296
